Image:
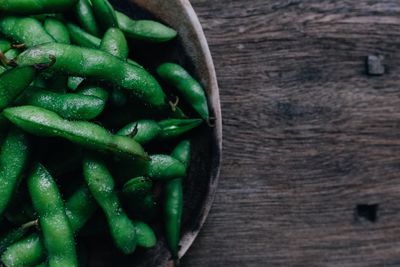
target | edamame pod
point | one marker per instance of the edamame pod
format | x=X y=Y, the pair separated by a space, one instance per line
x=98 y=65
x=85 y=16
x=13 y=160
x=30 y=251
x=144 y=131
x=2 y=69
x=68 y=106
x=57 y=30
x=42 y=122
x=29 y=7
x=145 y=235
x=24 y=30
x=146 y=30
x=104 y=13
x=74 y=82
x=173 y=200
x=115 y=43
x=101 y=185
x=57 y=233
x=13 y=82
x=82 y=38
x=187 y=86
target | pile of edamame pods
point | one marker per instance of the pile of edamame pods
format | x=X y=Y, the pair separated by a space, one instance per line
x=67 y=88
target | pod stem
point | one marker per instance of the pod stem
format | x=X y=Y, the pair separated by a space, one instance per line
x=18 y=46
x=174 y=104
x=30 y=224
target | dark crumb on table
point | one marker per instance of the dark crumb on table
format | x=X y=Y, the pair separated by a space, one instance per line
x=375 y=66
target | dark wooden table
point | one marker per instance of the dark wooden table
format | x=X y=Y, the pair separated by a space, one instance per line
x=311 y=168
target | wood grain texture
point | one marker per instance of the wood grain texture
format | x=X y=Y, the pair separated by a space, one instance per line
x=308 y=134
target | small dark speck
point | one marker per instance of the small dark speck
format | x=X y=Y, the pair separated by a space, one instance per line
x=375 y=65
x=367 y=212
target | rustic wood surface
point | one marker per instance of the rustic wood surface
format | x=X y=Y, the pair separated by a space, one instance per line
x=308 y=135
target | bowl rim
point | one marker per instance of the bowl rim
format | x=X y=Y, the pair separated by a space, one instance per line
x=197 y=48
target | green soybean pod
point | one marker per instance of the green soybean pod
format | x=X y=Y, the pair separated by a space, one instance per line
x=30 y=251
x=57 y=233
x=13 y=82
x=173 y=200
x=98 y=65
x=9 y=56
x=29 y=7
x=173 y=128
x=187 y=86
x=14 y=235
x=104 y=14
x=13 y=160
x=142 y=131
x=82 y=38
x=115 y=43
x=86 y=18
x=68 y=106
x=146 y=30
x=102 y=187
x=57 y=30
x=24 y=30
x=42 y=122
x=5 y=45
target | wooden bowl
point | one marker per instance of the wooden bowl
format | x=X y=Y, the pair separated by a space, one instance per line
x=191 y=51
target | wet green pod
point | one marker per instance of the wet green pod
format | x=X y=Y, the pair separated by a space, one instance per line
x=5 y=45
x=42 y=122
x=13 y=161
x=86 y=18
x=104 y=14
x=2 y=69
x=138 y=187
x=145 y=131
x=115 y=43
x=173 y=128
x=142 y=131
x=30 y=251
x=14 y=235
x=93 y=90
x=10 y=55
x=82 y=38
x=146 y=30
x=57 y=233
x=187 y=86
x=173 y=199
x=24 y=30
x=29 y=7
x=98 y=65
x=68 y=106
x=57 y=30
x=102 y=187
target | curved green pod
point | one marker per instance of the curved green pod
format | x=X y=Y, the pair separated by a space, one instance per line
x=82 y=38
x=146 y=30
x=57 y=233
x=98 y=65
x=86 y=18
x=42 y=122
x=24 y=30
x=68 y=106
x=187 y=86
x=104 y=14
x=101 y=184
